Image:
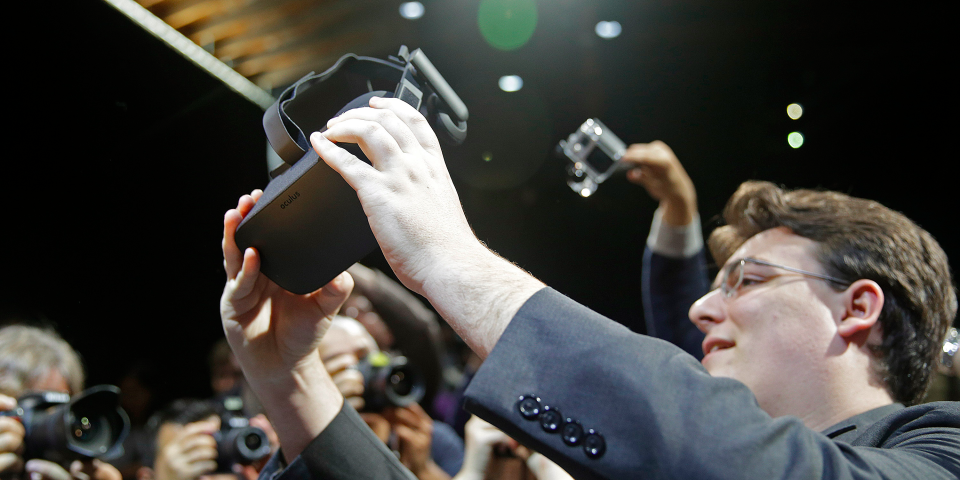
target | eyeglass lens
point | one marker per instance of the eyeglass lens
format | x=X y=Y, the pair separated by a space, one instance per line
x=732 y=279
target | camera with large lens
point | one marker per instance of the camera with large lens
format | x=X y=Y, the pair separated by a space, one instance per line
x=61 y=429
x=594 y=153
x=238 y=443
x=390 y=381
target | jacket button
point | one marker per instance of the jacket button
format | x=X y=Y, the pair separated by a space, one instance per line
x=593 y=444
x=572 y=432
x=550 y=419
x=529 y=406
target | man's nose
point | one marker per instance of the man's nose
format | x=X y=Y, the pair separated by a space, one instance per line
x=708 y=311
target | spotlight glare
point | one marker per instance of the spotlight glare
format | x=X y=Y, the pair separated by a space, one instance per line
x=608 y=29
x=510 y=83
x=411 y=10
x=507 y=24
x=794 y=111
x=795 y=139
x=586 y=192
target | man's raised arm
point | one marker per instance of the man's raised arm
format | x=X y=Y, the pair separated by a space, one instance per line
x=416 y=216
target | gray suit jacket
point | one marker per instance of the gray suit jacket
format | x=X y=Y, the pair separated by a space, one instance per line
x=646 y=409
x=643 y=408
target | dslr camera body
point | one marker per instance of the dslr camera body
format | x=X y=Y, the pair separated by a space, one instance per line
x=238 y=443
x=61 y=429
x=390 y=381
x=594 y=153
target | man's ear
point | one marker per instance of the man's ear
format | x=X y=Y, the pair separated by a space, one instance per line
x=863 y=302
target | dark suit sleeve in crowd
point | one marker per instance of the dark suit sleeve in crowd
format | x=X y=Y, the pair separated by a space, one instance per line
x=346 y=450
x=669 y=287
x=647 y=409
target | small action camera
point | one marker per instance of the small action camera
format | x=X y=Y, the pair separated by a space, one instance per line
x=594 y=152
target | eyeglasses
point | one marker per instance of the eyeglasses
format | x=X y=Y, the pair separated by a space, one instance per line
x=732 y=278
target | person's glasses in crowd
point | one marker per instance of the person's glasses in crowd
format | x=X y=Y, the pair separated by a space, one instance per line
x=733 y=276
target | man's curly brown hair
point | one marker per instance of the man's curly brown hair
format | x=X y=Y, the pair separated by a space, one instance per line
x=856 y=239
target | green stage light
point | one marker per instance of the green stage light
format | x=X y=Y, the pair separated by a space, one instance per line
x=507 y=24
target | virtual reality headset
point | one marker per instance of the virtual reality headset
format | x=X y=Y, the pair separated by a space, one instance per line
x=309 y=225
x=305 y=106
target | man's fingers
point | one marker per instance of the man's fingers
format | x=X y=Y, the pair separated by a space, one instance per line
x=232 y=257
x=404 y=416
x=202 y=445
x=94 y=469
x=44 y=470
x=200 y=453
x=375 y=141
x=11 y=435
x=10 y=463
x=10 y=442
x=249 y=272
x=231 y=220
x=352 y=169
x=195 y=470
x=406 y=433
x=349 y=383
x=421 y=129
x=390 y=122
x=332 y=295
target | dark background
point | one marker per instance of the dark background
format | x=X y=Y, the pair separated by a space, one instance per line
x=124 y=155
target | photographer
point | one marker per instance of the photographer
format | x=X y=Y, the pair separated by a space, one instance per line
x=183 y=444
x=38 y=360
x=431 y=450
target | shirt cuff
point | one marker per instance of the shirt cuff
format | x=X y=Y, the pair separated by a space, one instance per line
x=675 y=242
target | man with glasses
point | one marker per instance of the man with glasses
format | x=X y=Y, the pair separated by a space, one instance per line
x=800 y=379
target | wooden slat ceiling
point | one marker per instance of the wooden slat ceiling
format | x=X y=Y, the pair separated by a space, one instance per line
x=275 y=42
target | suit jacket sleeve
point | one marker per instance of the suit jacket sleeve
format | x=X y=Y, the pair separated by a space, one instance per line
x=669 y=287
x=346 y=450
x=660 y=414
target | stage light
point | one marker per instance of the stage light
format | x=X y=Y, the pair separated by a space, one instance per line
x=507 y=24
x=795 y=139
x=794 y=111
x=586 y=192
x=411 y=10
x=487 y=156
x=510 y=83
x=608 y=29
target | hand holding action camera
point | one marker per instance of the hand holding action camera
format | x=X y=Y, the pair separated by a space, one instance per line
x=656 y=168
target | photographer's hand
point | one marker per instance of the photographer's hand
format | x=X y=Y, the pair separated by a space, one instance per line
x=657 y=169
x=11 y=441
x=414 y=429
x=482 y=439
x=349 y=380
x=37 y=469
x=94 y=469
x=415 y=214
x=192 y=451
x=275 y=334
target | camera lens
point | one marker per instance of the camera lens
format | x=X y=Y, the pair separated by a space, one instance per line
x=253 y=441
x=400 y=383
x=84 y=429
x=90 y=431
